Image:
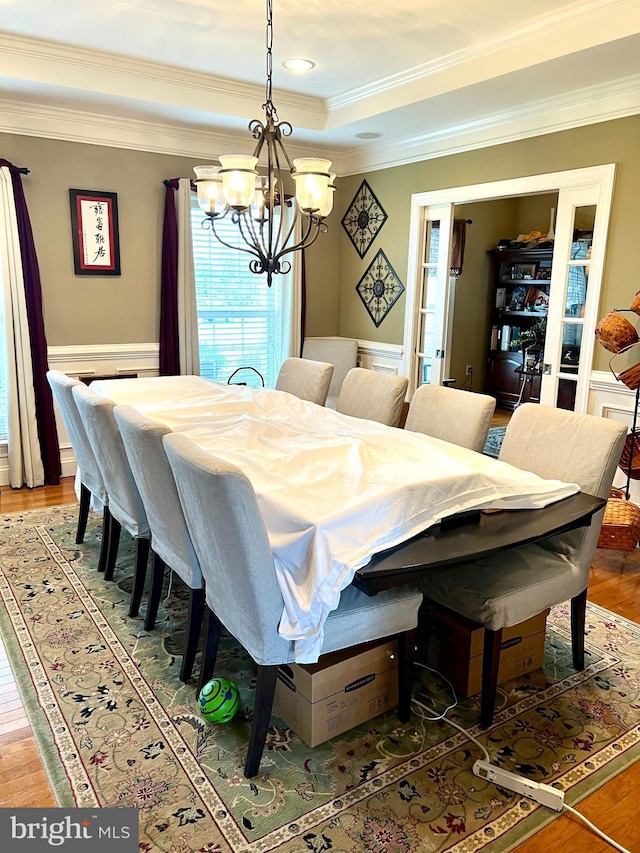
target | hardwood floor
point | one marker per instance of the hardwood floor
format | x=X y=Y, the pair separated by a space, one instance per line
x=615 y=584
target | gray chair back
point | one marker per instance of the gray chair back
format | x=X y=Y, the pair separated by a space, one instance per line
x=232 y=546
x=90 y=476
x=142 y=440
x=308 y=380
x=125 y=503
x=562 y=445
x=372 y=395
x=342 y=353
x=451 y=414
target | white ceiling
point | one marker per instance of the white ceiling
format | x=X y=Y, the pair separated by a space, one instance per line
x=432 y=76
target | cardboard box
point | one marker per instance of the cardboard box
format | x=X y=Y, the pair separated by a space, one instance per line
x=346 y=688
x=459 y=644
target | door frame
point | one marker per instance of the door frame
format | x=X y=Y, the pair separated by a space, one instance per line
x=600 y=178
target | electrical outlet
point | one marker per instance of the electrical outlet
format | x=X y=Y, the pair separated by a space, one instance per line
x=538 y=791
x=469 y=370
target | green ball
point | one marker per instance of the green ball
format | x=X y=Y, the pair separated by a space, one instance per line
x=219 y=700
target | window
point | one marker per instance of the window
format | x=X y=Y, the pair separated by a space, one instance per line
x=240 y=319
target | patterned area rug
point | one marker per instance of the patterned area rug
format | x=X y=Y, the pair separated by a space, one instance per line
x=116 y=726
x=494 y=441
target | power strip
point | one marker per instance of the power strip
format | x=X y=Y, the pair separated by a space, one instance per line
x=538 y=791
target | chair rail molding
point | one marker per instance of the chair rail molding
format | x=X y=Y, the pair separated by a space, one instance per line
x=103 y=359
x=385 y=358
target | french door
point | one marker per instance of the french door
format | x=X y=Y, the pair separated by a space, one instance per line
x=578 y=260
x=426 y=321
x=573 y=299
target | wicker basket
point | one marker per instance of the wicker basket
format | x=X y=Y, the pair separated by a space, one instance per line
x=630 y=376
x=615 y=332
x=630 y=459
x=620 y=529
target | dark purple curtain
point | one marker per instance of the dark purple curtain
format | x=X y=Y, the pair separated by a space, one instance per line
x=45 y=418
x=169 y=356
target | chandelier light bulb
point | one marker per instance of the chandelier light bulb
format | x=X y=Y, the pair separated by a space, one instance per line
x=311 y=175
x=209 y=184
x=327 y=204
x=238 y=179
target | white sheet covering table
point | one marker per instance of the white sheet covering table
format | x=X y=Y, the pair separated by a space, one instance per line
x=333 y=490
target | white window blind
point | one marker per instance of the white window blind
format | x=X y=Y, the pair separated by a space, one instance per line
x=239 y=317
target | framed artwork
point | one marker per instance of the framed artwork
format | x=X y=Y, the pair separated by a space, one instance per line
x=523 y=272
x=364 y=219
x=94 y=229
x=379 y=288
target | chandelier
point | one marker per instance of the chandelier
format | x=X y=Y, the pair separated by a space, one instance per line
x=235 y=189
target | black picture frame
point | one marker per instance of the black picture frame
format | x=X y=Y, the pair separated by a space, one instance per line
x=95 y=232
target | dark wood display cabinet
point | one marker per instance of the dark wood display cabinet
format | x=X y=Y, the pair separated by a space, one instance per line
x=522 y=279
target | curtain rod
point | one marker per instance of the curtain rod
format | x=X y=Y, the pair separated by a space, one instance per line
x=23 y=170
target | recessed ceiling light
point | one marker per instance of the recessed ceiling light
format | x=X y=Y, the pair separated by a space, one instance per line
x=370 y=134
x=299 y=64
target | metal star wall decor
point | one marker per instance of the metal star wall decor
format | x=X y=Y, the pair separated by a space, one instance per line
x=379 y=288
x=363 y=219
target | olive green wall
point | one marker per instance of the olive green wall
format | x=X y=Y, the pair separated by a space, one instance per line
x=81 y=310
x=615 y=141
x=96 y=309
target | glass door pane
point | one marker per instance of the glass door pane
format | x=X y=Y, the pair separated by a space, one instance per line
x=432 y=303
x=564 y=361
x=577 y=280
x=426 y=347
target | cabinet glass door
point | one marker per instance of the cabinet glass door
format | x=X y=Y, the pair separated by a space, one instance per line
x=572 y=304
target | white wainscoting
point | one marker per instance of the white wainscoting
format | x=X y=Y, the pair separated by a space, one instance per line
x=142 y=359
x=95 y=360
x=609 y=398
x=385 y=358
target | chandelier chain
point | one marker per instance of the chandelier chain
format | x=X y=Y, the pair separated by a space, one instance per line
x=269 y=105
x=271 y=225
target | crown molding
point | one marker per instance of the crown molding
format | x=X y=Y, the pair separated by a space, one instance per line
x=50 y=122
x=52 y=64
x=582 y=25
x=588 y=106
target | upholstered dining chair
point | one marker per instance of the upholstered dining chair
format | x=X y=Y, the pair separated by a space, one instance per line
x=125 y=508
x=231 y=541
x=90 y=478
x=372 y=395
x=308 y=380
x=512 y=586
x=458 y=416
x=170 y=541
x=342 y=353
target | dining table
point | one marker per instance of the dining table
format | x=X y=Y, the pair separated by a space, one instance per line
x=347 y=500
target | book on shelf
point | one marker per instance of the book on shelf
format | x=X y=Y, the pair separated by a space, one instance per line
x=505 y=338
x=494 y=338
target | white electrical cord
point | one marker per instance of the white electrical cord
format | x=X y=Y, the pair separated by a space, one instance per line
x=595 y=829
x=169 y=587
x=443 y=716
